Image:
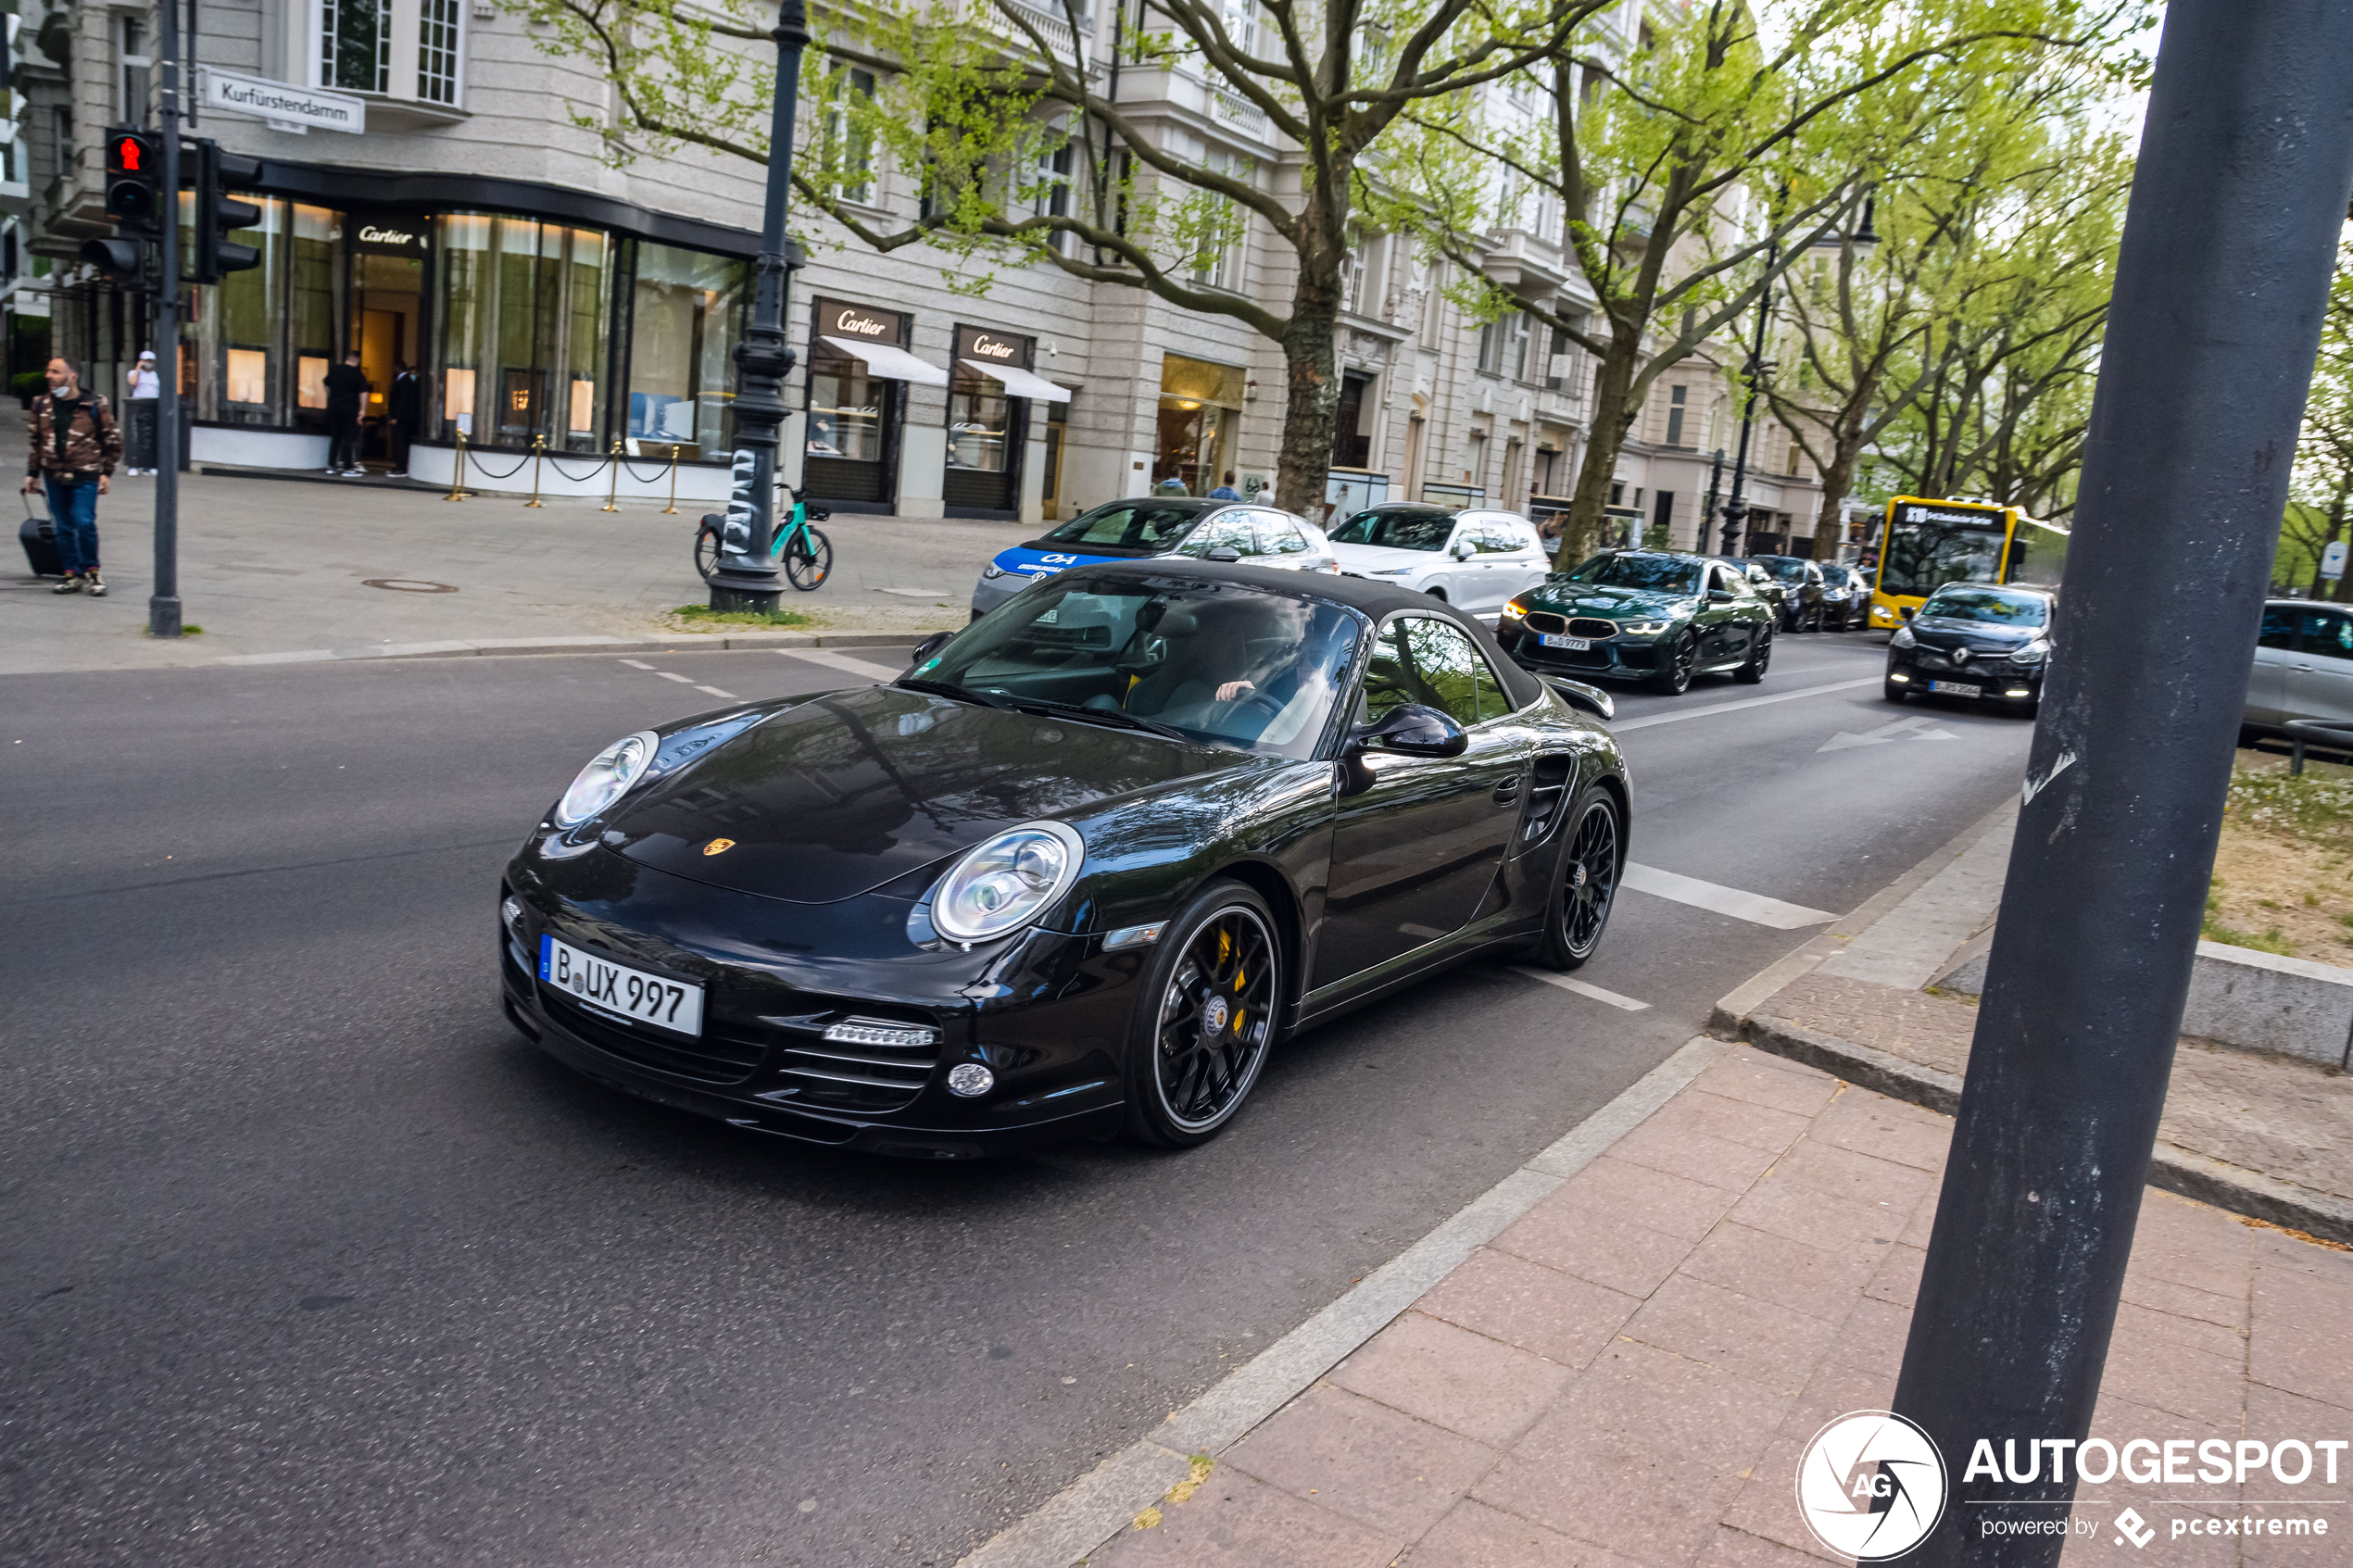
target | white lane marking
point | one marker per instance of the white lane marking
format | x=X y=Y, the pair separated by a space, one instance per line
x=1918 y=727
x=844 y=663
x=682 y=680
x=1752 y=906
x=1580 y=988
x=725 y=696
x=915 y=593
x=636 y=664
x=1647 y=720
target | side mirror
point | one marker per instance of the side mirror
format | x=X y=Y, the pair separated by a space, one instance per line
x=1905 y=611
x=1225 y=553
x=1462 y=549
x=1720 y=595
x=1413 y=730
x=930 y=645
x=1577 y=693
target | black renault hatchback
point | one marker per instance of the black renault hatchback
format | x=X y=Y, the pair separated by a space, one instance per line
x=1976 y=641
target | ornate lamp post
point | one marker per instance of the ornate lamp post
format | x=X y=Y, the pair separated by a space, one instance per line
x=745 y=578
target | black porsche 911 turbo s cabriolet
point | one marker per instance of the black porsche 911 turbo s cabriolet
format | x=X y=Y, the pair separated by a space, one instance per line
x=1077 y=870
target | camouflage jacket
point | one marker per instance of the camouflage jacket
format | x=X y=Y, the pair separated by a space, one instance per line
x=91 y=442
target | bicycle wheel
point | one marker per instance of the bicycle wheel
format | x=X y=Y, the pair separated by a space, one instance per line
x=808 y=560
x=706 y=551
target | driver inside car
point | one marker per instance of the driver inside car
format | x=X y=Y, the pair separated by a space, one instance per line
x=1227 y=668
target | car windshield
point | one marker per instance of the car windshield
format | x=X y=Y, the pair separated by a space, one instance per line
x=1398 y=528
x=1215 y=663
x=1141 y=525
x=1989 y=605
x=1660 y=575
x=1789 y=569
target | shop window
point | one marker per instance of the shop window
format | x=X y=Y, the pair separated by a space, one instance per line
x=464 y=257
x=979 y=417
x=247 y=376
x=686 y=312
x=1351 y=445
x=355 y=45
x=246 y=323
x=844 y=408
x=310 y=300
x=1200 y=406
x=524 y=318
x=310 y=380
x=437 y=52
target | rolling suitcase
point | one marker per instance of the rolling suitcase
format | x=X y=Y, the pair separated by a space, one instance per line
x=39 y=536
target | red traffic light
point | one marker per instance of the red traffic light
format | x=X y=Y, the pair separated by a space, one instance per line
x=130 y=153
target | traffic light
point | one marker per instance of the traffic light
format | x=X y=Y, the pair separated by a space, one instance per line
x=219 y=214
x=134 y=187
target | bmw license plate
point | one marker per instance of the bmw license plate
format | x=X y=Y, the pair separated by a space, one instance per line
x=1574 y=645
x=600 y=984
x=1956 y=688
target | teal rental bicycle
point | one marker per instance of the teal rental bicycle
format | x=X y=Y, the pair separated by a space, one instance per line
x=806 y=555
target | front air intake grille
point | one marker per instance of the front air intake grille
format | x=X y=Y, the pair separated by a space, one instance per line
x=1588 y=626
x=1545 y=620
x=859 y=1076
x=719 y=1057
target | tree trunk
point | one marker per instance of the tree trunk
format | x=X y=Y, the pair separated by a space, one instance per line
x=1613 y=417
x=1311 y=394
x=1837 y=480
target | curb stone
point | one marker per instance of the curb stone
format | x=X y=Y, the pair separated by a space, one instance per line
x=691 y=642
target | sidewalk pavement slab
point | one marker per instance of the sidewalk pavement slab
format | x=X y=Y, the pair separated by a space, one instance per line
x=1627 y=1375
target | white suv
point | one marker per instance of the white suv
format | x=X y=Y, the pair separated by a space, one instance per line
x=1473 y=559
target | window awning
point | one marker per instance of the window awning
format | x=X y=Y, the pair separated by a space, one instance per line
x=895 y=364
x=1021 y=384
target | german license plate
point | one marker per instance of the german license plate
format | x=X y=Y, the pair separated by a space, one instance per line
x=1574 y=645
x=600 y=984
x=1956 y=688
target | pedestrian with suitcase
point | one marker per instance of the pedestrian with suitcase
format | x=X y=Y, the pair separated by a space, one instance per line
x=75 y=446
x=147 y=389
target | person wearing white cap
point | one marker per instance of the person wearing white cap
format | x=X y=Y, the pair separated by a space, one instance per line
x=146 y=388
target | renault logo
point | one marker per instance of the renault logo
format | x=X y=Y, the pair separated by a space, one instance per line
x=1960 y=656
x=719 y=846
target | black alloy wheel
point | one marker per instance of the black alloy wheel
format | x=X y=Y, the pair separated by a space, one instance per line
x=1586 y=887
x=1682 y=660
x=1760 y=655
x=1209 y=1015
x=706 y=551
x=809 y=560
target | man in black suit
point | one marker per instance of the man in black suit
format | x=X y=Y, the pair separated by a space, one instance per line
x=401 y=408
x=346 y=395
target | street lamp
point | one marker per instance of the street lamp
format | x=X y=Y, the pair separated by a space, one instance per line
x=1758 y=368
x=746 y=577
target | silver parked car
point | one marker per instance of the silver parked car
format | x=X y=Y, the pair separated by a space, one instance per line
x=1158 y=525
x=1476 y=561
x=2303 y=665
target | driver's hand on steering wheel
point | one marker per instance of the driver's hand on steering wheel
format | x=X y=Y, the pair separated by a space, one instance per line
x=1233 y=689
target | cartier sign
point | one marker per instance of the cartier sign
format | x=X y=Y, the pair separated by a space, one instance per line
x=839 y=319
x=993 y=347
x=379 y=237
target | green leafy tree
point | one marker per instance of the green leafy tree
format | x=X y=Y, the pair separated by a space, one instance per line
x=2320 y=507
x=1023 y=155
x=1694 y=172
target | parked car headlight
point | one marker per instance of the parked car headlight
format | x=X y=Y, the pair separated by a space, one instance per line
x=990 y=573
x=1903 y=638
x=607 y=778
x=1642 y=628
x=1004 y=882
x=1515 y=611
x=1394 y=571
x=2033 y=652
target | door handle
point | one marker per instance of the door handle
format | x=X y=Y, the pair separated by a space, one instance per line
x=1507 y=792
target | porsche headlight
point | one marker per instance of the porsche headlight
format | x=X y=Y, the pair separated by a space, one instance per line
x=1903 y=638
x=607 y=778
x=1004 y=882
x=2033 y=652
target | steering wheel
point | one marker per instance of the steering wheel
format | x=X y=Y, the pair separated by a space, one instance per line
x=1262 y=702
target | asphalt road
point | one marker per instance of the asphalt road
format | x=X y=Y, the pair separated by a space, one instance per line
x=309 y=1258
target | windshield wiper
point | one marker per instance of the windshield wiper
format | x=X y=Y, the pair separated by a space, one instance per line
x=1101 y=716
x=947 y=689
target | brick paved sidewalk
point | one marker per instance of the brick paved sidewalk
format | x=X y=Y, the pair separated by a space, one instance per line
x=1627 y=1375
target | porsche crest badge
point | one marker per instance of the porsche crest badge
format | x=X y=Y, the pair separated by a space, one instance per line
x=719 y=846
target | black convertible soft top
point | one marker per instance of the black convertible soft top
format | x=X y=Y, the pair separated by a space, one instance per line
x=1374 y=600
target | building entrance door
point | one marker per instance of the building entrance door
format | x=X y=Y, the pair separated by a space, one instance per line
x=386 y=307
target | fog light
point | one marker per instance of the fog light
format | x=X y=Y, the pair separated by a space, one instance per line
x=512 y=913
x=1899 y=677
x=2019 y=691
x=969 y=1079
x=872 y=1032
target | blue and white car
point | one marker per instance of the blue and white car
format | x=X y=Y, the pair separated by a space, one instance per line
x=1158 y=525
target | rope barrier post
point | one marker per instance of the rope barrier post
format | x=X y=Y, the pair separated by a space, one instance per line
x=458 y=490
x=612 y=490
x=671 y=509
x=539 y=446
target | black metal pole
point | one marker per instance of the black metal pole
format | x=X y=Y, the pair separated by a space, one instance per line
x=163 y=602
x=2246 y=163
x=745 y=578
x=1736 y=509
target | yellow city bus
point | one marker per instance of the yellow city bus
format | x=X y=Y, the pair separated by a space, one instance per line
x=1925 y=545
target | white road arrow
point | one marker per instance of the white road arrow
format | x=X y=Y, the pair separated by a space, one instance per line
x=1915 y=728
